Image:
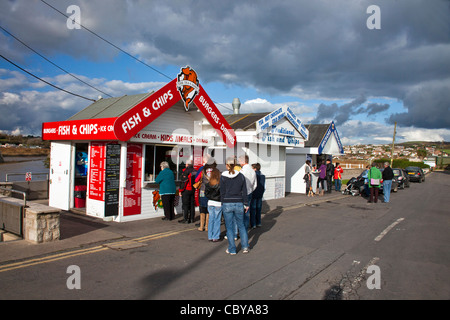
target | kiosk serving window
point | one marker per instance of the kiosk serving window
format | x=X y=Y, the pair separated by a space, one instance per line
x=155 y=154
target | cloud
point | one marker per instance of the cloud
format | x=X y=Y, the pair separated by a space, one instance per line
x=25 y=110
x=370 y=132
x=419 y=134
x=342 y=114
x=428 y=106
x=299 y=47
x=374 y=108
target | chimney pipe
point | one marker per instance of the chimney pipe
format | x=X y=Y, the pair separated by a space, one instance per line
x=236 y=105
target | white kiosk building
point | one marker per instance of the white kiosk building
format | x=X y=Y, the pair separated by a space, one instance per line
x=104 y=159
x=323 y=143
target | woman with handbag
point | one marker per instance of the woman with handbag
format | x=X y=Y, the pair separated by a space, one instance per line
x=308 y=179
x=374 y=178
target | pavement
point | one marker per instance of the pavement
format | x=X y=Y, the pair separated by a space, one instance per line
x=81 y=231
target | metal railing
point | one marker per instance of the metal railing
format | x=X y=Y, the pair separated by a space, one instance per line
x=24 y=175
x=14 y=220
x=24 y=194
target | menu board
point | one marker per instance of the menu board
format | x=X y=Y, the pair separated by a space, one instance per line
x=97 y=171
x=112 y=179
x=132 y=191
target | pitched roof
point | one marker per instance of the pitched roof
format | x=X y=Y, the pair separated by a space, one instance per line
x=110 y=107
x=244 y=121
x=316 y=134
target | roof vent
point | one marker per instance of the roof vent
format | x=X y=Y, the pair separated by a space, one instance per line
x=236 y=105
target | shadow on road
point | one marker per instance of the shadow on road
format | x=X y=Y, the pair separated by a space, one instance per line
x=71 y=226
x=268 y=221
x=158 y=281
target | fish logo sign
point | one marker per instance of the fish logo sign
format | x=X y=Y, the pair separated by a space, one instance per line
x=187 y=85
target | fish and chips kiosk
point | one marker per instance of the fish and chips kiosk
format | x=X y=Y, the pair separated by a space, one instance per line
x=104 y=160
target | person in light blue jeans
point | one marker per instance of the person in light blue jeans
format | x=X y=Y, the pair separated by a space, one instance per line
x=388 y=175
x=212 y=193
x=235 y=212
x=387 y=185
x=233 y=195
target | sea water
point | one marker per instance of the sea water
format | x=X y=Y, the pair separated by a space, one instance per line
x=22 y=165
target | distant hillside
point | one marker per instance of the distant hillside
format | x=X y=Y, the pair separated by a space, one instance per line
x=24 y=152
x=23 y=140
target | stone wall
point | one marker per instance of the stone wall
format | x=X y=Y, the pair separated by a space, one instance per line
x=41 y=223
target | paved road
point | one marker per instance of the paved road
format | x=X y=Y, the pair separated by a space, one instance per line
x=312 y=252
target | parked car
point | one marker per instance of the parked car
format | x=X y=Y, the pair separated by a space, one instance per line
x=415 y=174
x=401 y=177
x=394 y=186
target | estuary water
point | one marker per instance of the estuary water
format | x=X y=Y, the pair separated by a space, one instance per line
x=22 y=165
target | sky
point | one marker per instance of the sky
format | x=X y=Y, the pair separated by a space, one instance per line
x=345 y=61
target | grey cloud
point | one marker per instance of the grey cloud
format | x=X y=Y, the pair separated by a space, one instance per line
x=374 y=108
x=428 y=107
x=340 y=114
x=315 y=47
x=28 y=109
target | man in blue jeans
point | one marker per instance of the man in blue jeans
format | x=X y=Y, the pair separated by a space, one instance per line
x=388 y=175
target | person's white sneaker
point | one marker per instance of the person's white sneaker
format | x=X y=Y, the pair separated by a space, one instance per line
x=232 y=254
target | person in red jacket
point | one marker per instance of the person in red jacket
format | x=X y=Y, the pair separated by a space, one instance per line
x=338 y=177
x=187 y=192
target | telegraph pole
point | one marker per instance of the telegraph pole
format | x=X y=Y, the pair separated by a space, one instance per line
x=393 y=141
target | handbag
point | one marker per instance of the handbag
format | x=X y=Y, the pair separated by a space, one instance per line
x=374 y=182
x=198 y=184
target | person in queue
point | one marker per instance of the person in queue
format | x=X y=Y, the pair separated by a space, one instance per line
x=187 y=192
x=250 y=179
x=374 y=179
x=212 y=192
x=167 y=189
x=234 y=198
x=257 y=195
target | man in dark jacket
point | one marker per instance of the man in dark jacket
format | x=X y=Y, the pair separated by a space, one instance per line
x=188 y=193
x=330 y=173
x=257 y=195
x=388 y=175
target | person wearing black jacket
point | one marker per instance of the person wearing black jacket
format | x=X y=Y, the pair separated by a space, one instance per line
x=387 y=177
x=187 y=192
x=330 y=173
